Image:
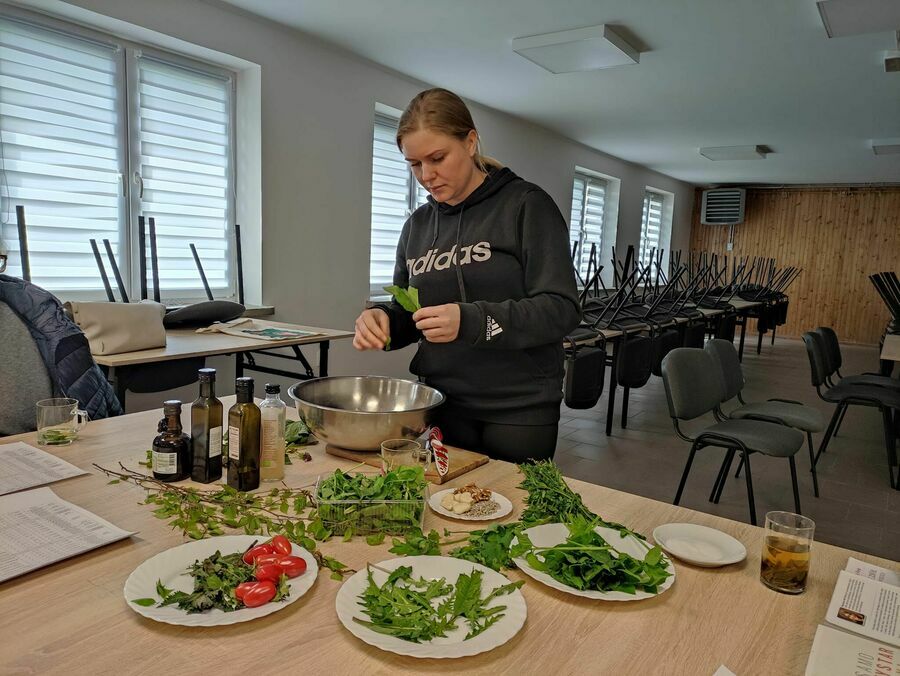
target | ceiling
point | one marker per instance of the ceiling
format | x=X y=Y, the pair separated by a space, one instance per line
x=711 y=73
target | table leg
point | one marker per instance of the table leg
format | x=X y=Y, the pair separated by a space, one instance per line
x=238 y=364
x=118 y=385
x=611 y=407
x=323 y=358
x=743 y=335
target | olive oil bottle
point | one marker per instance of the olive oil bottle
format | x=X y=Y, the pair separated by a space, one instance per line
x=243 y=438
x=171 y=453
x=206 y=431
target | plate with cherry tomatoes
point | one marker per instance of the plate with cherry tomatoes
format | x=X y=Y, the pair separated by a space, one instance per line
x=273 y=574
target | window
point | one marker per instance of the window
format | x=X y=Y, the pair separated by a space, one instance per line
x=395 y=195
x=593 y=217
x=656 y=224
x=95 y=132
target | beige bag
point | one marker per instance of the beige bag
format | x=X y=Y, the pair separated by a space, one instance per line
x=112 y=328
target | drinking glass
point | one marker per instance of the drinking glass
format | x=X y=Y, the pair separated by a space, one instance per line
x=59 y=421
x=403 y=453
x=785 y=553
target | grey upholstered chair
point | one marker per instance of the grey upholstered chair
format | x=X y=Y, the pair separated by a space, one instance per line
x=694 y=386
x=23 y=376
x=783 y=411
x=885 y=399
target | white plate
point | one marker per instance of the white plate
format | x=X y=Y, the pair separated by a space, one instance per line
x=552 y=534
x=699 y=545
x=452 y=645
x=505 y=507
x=171 y=567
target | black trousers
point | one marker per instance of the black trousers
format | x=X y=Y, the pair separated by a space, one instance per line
x=513 y=443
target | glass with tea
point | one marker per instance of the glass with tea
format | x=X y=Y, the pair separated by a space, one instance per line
x=785 y=553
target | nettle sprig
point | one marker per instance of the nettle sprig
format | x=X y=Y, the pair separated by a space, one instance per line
x=205 y=513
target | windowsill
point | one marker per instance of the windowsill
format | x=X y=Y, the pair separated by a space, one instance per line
x=259 y=311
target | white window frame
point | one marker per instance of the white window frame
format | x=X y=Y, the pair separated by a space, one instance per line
x=666 y=201
x=609 y=225
x=128 y=112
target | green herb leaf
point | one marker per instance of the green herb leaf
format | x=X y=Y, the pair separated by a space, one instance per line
x=408 y=298
x=145 y=602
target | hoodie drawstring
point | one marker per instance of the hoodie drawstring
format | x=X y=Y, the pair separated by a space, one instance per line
x=459 y=275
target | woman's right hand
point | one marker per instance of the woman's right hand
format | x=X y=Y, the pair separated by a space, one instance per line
x=373 y=329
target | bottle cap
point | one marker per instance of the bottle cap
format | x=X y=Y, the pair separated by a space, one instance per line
x=273 y=388
x=207 y=375
x=172 y=407
x=243 y=385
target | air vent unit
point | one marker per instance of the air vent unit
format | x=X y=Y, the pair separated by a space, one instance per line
x=723 y=206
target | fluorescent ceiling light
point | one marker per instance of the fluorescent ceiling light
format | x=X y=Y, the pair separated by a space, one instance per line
x=588 y=48
x=856 y=17
x=887 y=146
x=735 y=152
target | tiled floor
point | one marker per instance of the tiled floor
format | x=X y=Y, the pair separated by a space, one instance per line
x=857 y=507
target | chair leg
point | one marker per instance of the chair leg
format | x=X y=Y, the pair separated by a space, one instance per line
x=625 y=392
x=759 y=343
x=890 y=446
x=829 y=432
x=740 y=467
x=812 y=463
x=720 y=478
x=684 y=476
x=840 y=422
x=731 y=453
x=774 y=328
x=794 y=484
x=745 y=456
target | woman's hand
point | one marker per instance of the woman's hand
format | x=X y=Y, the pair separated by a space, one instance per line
x=438 y=323
x=372 y=330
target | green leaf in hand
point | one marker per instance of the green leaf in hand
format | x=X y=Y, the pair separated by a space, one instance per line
x=408 y=298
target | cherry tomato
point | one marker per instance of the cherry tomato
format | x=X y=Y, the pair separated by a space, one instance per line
x=281 y=545
x=292 y=565
x=241 y=590
x=266 y=559
x=250 y=555
x=259 y=594
x=270 y=571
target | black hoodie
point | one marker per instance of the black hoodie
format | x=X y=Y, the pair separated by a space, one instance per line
x=502 y=255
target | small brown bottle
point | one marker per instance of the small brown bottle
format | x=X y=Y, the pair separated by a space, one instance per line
x=171 y=452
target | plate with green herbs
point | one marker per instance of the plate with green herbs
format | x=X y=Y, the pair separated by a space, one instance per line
x=194 y=584
x=431 y=607
x=592 y=561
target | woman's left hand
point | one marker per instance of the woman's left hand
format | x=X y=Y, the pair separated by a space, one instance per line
x=438 y=323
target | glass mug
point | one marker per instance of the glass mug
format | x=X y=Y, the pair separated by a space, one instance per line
x=59 y=421
x=785 y=554
x=397 y=453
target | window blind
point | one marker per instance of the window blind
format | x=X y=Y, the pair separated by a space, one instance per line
x=60 y=152
x=184 y=144
x=587 y=219
x=651 y=224
x=395 y=195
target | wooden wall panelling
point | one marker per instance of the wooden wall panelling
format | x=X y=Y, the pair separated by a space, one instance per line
x=839 y=236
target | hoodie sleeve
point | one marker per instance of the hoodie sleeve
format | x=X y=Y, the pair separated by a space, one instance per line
x=551 y=309
x=403 y=328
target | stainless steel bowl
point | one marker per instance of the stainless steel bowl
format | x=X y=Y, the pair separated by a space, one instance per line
x=359 y=412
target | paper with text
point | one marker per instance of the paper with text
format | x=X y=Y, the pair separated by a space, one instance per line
x=866 y=607
x=38 y=528
x=835 y=653
x=872 y=572
x=23 y=466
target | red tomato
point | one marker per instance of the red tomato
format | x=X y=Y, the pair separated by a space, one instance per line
x=292 y=565
x=270 y=571
x=241 y=590
x=281 y=545
x=267 y=559
x=259 y=594
x=251 y=555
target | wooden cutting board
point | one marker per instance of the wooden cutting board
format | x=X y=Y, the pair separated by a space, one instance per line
x=461 y=461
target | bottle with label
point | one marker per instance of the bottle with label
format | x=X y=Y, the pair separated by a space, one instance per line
x=171 y=454
x=273 y=411
x=206 y=431
x=243 y=438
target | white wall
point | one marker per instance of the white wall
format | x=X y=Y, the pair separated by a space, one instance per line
x=317 y=115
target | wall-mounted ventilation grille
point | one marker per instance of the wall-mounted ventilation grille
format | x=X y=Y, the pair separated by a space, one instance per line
x=723 y=206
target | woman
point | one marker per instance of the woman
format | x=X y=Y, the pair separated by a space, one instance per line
x=489 y=256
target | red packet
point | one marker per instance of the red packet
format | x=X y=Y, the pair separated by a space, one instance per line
x=441 y=454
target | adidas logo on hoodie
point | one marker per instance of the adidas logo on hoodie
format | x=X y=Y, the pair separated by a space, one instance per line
x=476 y=253
x=493 y=328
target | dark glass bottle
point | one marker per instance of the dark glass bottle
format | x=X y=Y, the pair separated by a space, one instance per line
x=243 y=438
x=171 y=448
x=206 y=431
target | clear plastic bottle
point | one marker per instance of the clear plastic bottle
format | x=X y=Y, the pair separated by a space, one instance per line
x=273 y=411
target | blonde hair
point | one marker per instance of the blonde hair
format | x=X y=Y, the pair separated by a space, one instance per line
x=443 y=111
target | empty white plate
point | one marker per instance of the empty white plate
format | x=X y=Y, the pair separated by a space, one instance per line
x=699 y=545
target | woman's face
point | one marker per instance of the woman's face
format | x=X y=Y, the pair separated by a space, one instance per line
x=443 y=165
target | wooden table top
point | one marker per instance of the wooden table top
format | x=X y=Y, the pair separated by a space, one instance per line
x=183 y=343
x=72 y=617
x=890 y=351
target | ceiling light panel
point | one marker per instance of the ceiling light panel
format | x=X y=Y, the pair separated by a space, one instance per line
x=734 y=153
x=857 y=17
x=590 y=48
x=888 y=146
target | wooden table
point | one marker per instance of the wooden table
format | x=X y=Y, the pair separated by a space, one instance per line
x=890 y=351
x=72 y=618
x=187 y=345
